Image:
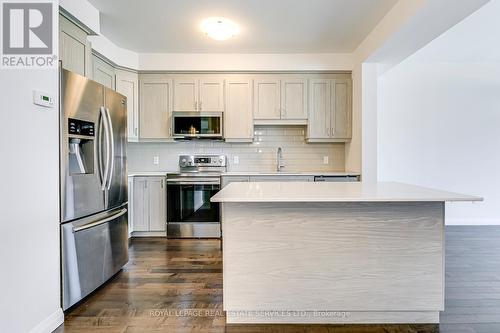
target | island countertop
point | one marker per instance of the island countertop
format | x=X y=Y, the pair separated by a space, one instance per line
x=334 y=192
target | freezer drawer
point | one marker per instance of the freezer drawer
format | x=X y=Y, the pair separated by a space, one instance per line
x=94 y=249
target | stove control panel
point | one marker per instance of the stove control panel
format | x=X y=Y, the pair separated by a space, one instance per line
x=202 y=161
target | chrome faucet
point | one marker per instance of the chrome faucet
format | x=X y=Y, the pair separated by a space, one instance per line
x=279 y=160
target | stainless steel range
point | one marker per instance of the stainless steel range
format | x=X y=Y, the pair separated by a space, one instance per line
x=190 y=214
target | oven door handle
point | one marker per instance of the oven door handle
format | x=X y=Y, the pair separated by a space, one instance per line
x=198 y=182
x=194 y=181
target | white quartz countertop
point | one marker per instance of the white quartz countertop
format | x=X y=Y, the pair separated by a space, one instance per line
x=284 y=173
x=333 y=192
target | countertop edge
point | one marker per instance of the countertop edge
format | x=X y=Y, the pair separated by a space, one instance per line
x=323 y=200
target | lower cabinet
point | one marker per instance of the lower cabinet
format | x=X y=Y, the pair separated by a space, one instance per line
x=149 y=206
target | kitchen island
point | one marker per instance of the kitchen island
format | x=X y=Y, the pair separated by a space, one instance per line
x=333 y=252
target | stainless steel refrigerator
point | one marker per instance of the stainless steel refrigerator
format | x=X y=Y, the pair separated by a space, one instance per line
x=93 y=166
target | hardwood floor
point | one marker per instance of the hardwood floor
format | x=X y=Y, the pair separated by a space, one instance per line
x=176 y=286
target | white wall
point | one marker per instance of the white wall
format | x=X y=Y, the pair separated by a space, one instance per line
x=29 y=204
x=240 y=61
x=116 y=54
x=439 y=126
x=439 y=117
x=406 y=28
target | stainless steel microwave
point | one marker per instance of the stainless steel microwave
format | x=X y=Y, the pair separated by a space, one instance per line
x=197 y=125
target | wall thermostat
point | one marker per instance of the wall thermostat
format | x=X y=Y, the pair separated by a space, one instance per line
x=43 y=99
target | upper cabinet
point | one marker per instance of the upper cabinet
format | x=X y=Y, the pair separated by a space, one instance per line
x=342 y=118
x=127 y=83
x=238 y=115
x=156 y=107
x=280 y=100
x=211 y=97
x=198 y=94
x=103 y=72
x=267 y=99
x=294 y=99
x=185 y=95
x=323 y=102
x=74 y=48
x=330 y=110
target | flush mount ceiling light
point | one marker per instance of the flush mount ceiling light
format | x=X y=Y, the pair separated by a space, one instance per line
x=219 y=28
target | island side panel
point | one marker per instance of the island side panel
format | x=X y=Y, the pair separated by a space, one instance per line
x=358 y=257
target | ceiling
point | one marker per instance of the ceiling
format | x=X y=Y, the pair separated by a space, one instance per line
x=267 y=26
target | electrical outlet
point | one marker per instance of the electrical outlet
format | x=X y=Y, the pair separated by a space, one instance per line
x=156 y=160
x=325 y=160
x=236 y=160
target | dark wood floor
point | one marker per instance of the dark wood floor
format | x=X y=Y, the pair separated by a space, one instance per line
x=176 y=286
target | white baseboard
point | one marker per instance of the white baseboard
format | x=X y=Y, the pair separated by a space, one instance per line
x=49 y=324
x=472 y=221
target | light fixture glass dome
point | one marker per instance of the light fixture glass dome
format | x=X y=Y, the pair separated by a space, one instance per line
x=219 y=28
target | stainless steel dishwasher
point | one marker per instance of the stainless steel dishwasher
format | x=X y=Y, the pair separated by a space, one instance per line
x=336 y=179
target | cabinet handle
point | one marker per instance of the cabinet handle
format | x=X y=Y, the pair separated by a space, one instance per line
x=195 y=106
x=199 y=105
x=162 y=183
x=135 y=131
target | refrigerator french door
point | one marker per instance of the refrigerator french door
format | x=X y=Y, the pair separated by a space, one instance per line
x=93 y=184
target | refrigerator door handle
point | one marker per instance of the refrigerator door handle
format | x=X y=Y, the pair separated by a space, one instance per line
x=112 y=136
x=99 y=222
x=99 y=147
x=106 y=131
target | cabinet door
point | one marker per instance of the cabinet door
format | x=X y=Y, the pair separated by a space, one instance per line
x=140 y=204
x=238 y=117
x=341 y=115
x=211 y=95
x=130 y=205
x=185 y=95
x=155 y=112
x=103 y=72
x=320 y=107
x=267 y=99
x=127 y=83
x=157 y=204
x=74 y=48
x=293 y=99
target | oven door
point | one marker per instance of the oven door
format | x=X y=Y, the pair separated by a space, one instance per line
x=190 y=214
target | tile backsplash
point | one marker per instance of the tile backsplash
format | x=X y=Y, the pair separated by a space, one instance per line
x=259 y=155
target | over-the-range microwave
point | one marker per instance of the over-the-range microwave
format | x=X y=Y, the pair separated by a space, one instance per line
x=197 y=125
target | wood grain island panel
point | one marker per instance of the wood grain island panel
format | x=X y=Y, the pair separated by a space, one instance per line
x=370 y=262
